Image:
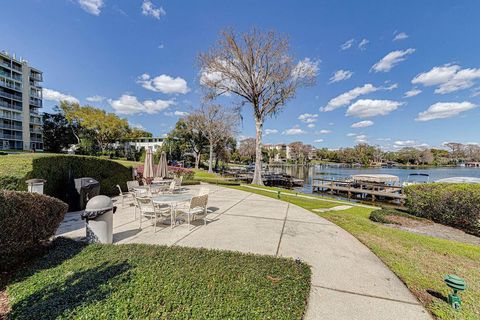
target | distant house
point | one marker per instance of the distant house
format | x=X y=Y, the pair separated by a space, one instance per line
x=145 y=142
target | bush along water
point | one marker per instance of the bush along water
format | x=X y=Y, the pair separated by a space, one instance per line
x=456 y=205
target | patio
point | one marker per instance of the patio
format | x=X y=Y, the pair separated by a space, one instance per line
x=347 y=278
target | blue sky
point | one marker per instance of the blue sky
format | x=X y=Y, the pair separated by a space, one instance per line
x=138 y=58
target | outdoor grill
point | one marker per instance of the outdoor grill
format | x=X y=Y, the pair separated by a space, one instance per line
x=86 y=188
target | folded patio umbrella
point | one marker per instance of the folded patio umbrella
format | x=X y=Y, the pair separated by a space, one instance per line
x=148 y=166
x=161 y=170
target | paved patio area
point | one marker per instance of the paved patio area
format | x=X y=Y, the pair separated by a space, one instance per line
x=348 y=282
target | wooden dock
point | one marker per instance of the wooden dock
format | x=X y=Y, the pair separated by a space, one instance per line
x=376 y=191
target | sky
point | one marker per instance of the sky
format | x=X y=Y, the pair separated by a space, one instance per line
x=389 y=73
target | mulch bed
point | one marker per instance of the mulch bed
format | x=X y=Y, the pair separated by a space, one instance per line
x=430 y=228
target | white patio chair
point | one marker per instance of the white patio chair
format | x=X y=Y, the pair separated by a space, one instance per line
x=197 y=207
x=131 y=185
x=123 y=195
x=178 y=183
x=150 y=210
x=203 y=191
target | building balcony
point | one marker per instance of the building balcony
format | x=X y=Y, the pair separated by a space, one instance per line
x=4 y=104
x=10 y=137
x=5 y=63
x=36 y=121
x=12 y=86
x=16 y=67
x=10 y=116
x=36 y=76
x=10 y=127
x=11 y=96
x=36 y=130
x=36 y=102
x=36 y=139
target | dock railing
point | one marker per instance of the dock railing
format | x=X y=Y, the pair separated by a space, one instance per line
x=358 y=188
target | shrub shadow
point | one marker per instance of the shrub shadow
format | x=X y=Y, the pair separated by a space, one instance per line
x=47 y=257
x=62 y=298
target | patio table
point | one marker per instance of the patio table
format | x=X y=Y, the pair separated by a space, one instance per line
x=172 y=200
x=162 y=182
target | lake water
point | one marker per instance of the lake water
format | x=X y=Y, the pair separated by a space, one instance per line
x=307 y=173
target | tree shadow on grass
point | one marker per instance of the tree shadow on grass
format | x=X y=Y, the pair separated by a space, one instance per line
x=60 y=250
x=63 y=297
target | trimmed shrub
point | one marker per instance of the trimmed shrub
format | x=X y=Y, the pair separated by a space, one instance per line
x=381 y=215
x=59 y=171
x=27 y=220
x=456 y=205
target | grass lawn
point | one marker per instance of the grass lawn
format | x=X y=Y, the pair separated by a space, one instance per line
x=420 y=261
x=205 y=176
x=133 y=281
x=18 y=165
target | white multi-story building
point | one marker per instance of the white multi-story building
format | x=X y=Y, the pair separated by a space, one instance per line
x=146 y=142
x=20 y=99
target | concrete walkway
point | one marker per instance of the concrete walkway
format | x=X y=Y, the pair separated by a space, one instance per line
x=348 y=280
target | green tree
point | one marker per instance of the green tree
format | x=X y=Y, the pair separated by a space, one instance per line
x=57 y=133
x=102 y=127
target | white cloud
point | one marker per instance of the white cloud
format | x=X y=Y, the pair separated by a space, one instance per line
x=128 y=104
x=405 y=143
x=95 y=98
x=305 y=68
x=361 y=138
x=311 y=125
x=177 y=113
x=449 y=78
x=149 y=9
x=362 y=124
x=365 y=108
x=400 y=36
x=391 y=60
x=163 y=83
x=324 y=131
x=349 y=96
x=475 y=92
x=347 y=45
x=293 y=131
x=318 y=140
x=384 y=139
x=161 y=46
x=351 y=134
x=270 y=131
x=308 y=117
x=442 y=110
x=341 y=75
x=91 y=6
x=137 y=126
x=412 y=93
x=362 y=45
x=52 y=95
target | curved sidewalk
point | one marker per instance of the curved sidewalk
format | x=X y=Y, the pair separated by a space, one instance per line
x=348 y=280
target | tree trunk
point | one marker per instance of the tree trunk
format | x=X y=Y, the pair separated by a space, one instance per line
x=210 y=159
x=197 y=160
x=257 y=174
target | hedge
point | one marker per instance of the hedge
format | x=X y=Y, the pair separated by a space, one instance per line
x=456 y=205
x=27 y=220
x=59 y=172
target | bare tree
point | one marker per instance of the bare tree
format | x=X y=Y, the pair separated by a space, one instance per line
x=257 y=68
x=247 y=148
x=217 y=123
